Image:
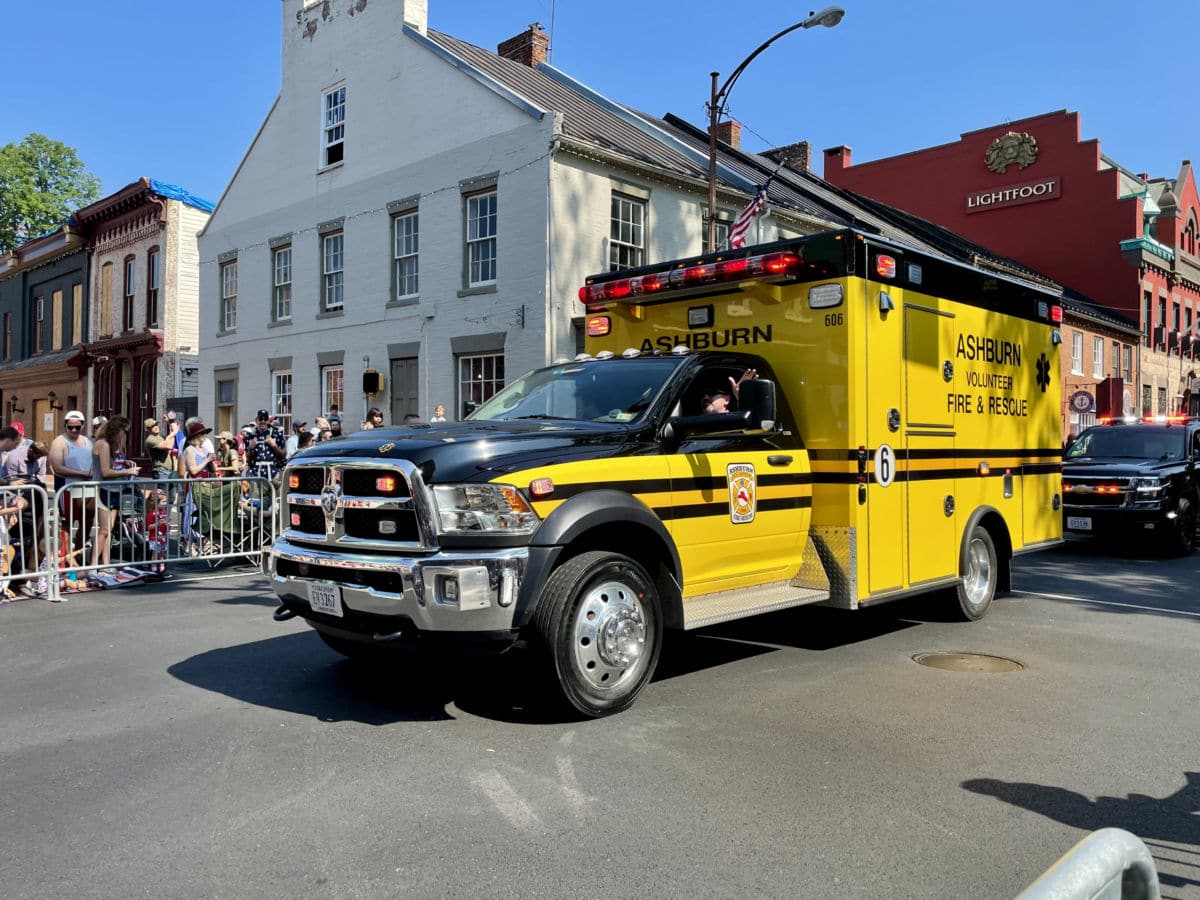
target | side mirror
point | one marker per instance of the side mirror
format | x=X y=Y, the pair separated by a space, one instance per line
x=756 y=398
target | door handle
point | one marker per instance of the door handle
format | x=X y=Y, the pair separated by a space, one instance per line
x=777 y=460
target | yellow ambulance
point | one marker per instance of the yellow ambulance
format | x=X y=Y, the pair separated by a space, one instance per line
x=833 y=419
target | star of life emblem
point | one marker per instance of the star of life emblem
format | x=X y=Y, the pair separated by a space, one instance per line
x=743 y=493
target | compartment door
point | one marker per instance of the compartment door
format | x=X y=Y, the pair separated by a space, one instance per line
x=929 y=420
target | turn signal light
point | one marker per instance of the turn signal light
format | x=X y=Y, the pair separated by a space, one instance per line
x=293 y=481
x=385 y=484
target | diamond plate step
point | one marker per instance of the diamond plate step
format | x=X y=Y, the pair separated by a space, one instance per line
x=725 y=606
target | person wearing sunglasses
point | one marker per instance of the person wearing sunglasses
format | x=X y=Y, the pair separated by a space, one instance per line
x=71 y=462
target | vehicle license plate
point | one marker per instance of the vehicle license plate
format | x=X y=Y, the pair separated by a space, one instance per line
x=326 y=598
x=1075 y=523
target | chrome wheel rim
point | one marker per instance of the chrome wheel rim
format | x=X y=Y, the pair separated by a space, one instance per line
x=609 y=636
x=977 y=578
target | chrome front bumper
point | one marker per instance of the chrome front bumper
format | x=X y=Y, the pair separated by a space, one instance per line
x=421 y=589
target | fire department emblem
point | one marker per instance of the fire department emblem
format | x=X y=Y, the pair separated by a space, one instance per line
x=1012 y=149
x=742 y=493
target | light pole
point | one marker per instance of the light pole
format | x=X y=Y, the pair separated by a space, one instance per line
x=828 y=17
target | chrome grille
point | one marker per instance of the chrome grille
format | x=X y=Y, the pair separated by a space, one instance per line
x=347 y=503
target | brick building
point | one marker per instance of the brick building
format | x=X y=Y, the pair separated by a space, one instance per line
x=143 y=337
x=43 y=316
x=1034 y=191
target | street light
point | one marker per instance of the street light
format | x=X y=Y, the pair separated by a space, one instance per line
x=828 y=17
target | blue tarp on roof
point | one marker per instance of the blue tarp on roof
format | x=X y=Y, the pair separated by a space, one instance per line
x=175 y=192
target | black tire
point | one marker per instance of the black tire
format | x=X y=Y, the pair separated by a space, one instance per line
x=1184 y=539
x=598 y=632
x=979 y=574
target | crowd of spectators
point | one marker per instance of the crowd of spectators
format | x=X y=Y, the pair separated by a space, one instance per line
x=93 y=473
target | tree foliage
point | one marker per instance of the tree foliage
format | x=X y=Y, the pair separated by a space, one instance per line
x=42 y=181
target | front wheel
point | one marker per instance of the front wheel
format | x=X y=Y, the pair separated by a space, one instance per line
x=598 y=627
x=1184 y=541
x=979 y=574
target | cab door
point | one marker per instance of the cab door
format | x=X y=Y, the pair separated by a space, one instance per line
x=740 y=509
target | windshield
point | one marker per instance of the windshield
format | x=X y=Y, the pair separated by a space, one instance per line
x=618 y=390
x=1135 y=442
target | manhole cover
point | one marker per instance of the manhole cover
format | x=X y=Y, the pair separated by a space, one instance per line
x=968 y=662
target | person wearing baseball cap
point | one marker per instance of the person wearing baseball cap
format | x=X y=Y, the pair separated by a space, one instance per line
x=267 y=449
x=158 y=449
x=71 y=462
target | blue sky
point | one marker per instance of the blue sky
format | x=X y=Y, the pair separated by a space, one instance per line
x=176 y=90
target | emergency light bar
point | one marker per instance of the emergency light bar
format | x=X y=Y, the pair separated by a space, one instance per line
x=769 y=265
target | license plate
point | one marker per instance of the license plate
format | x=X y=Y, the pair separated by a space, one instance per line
x=1079 y=523
x=326 y=598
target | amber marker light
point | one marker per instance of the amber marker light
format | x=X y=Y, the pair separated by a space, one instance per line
x=293 y=481
x=385 y=484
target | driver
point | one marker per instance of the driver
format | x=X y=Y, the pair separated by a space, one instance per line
x=719 y=399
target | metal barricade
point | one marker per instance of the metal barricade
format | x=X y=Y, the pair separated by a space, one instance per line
x=1108 y=864
x=27 y=548
x=113 y=529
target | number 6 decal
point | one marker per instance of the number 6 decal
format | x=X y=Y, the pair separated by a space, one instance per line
x=885 y=465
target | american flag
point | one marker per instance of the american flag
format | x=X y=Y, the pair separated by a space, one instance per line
x=737 y=231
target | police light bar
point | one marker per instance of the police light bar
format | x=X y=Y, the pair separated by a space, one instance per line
x=1165 y=420
x=769 y=265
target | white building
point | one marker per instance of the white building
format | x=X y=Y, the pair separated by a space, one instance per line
x=419 y=206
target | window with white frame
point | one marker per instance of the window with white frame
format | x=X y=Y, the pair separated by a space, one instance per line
x=404 y=250
x=1077 y=353
x=281 y=398
x=480 y=376
x=128 y=297
x=1116 y=360
x=1127 y=364
x=481 y=239
x=153 y=275
x=332 y=381
x=332 y=261
x=627 y=233
x=281 y=284
x=721 y=235
x=229 y=295
x=333 y=134
x=1097 y=357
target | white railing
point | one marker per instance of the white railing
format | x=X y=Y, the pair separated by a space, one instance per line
x=108 y=533
x=27 y=549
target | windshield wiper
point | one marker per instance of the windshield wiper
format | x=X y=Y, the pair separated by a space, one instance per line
x=546 y=416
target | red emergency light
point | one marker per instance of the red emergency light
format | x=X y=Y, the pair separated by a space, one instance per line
x=768 y=265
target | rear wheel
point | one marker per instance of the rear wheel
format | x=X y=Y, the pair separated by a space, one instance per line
x=599 y=632
x=1184 y=539
x=979 y=574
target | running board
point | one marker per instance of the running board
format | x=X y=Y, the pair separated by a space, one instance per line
x=725 y=606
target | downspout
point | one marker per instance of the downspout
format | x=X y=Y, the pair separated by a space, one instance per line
x=551 y=352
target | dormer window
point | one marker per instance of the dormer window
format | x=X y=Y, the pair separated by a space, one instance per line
x=333 y=135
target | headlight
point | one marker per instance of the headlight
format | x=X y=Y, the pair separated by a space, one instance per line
x=1148 y=488
x=476 y=508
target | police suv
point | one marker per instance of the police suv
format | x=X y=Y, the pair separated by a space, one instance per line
x=1126 y=478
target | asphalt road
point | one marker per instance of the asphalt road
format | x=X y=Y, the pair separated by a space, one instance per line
x=173 y=741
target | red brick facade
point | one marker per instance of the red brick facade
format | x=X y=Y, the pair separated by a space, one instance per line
x=1034 y=191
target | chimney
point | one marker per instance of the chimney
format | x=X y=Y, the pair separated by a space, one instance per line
x=730 y=133
x=837 y=159
x=528 y=48
x=795 y=156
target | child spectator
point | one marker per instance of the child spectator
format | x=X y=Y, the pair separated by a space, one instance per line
x=158 y=516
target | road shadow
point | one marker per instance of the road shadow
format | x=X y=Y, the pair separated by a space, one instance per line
x=1160 y=821
x=297 y=673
